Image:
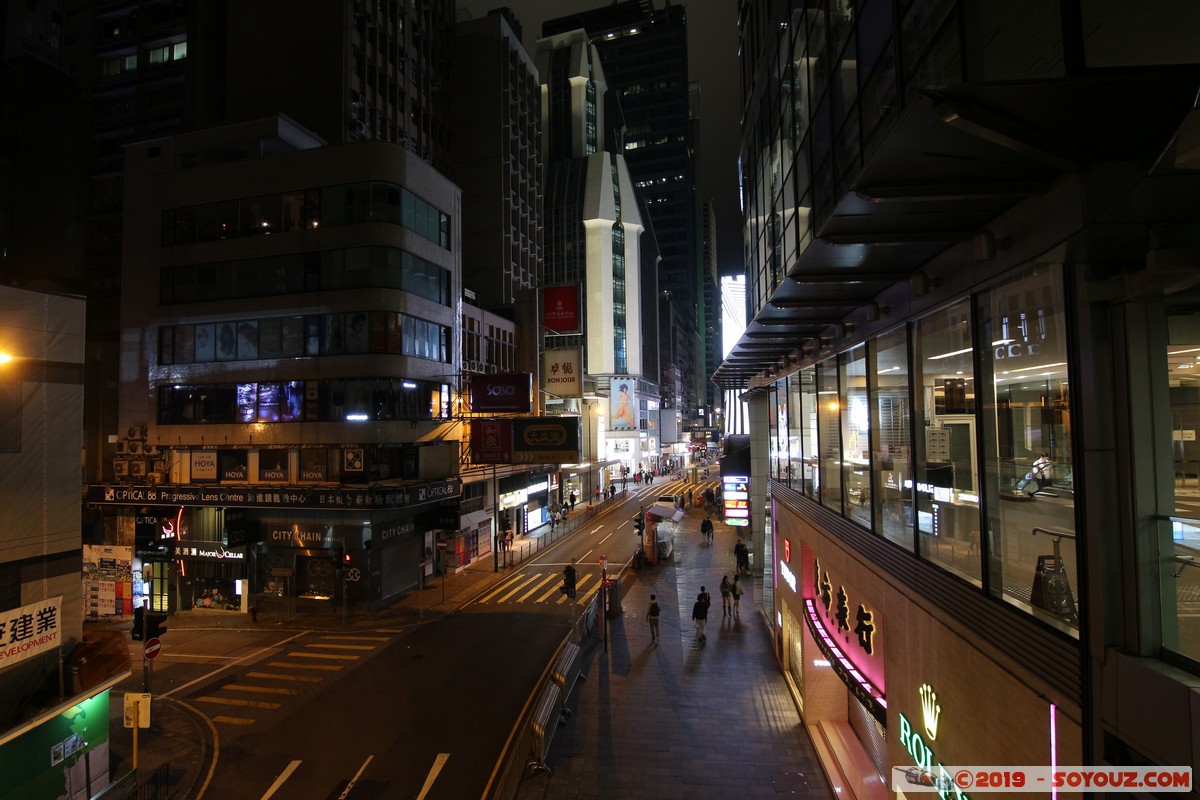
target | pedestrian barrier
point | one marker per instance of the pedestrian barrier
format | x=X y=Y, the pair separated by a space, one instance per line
x=547 y=715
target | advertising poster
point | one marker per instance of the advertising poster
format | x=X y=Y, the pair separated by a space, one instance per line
x=506 y=393
x=622 y=414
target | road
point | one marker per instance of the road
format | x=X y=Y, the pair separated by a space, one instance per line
x=419 y=711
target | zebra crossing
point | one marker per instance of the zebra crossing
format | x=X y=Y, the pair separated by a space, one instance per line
x=248 y=698
x=542 y=587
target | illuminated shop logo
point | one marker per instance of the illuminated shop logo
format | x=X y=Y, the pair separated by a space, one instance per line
x=930 y=710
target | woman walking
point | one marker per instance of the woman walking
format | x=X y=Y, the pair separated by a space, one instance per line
x=736 y=591
x=726 y=597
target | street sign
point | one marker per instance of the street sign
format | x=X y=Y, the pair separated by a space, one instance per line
x=152 y=648
x=137 y=709
x=443 y=544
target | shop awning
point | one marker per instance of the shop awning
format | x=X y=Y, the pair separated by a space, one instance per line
x=471 y=519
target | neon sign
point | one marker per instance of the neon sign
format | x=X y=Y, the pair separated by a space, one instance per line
x=921 y=753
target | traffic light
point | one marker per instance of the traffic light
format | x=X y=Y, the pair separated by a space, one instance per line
x=139 y=617
x=639 y=525
x=156 y=625
x=568 y=585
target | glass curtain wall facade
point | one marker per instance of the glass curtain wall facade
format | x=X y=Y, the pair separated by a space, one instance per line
x=857 y=414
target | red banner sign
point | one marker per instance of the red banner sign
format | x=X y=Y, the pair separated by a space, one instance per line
x=560 y=308
x=491 y=441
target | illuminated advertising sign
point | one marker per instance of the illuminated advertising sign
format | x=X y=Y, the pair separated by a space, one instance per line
x=735 y=495
x=560 y=308
x=546 y=440
x=491 y=441
x=510 y=392
x=847 y=628
x=562 y=371
x=622 y=407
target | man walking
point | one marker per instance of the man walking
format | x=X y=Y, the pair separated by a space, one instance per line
x=700 y=616
x=706 y=529
x=652 y=617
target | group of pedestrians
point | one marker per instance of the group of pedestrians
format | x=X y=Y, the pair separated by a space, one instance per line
x=731 y=598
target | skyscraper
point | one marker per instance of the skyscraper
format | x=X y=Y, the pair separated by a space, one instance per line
x=595 y=240
x=645 y=55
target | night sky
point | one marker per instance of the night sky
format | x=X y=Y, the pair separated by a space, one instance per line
x=712 y=51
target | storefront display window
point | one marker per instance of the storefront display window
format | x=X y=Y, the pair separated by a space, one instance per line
x=891 y=432
x=856 y=448
x=1027 y=422
x=807 y=429
x=794 y=469
x=829 y=438
x=1178 y=560
x=947 y=500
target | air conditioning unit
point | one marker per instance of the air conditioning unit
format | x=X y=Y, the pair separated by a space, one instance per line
x=493 y=369
x=358 y=128
x=159 y=467
x=122 y=447
x=156 y=478
x=135 y=448
x=121 y=467
x=150 y=449
x=136 y=432
x=137 y=469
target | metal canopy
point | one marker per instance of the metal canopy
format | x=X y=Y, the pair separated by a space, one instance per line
x=954 y=161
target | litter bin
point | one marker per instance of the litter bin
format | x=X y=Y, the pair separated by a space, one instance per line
x=614 y=598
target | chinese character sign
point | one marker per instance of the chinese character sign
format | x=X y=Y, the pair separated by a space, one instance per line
x=30 y=631
x=562 y=372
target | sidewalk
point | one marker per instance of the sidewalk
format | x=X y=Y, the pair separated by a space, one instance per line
x=677 y=720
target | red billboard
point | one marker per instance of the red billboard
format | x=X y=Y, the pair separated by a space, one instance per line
x=491 y=441
x=560 y=308
x=508 y=392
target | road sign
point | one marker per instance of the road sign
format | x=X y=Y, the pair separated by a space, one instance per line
x=137 y=710
x=152 y=648
x=443 y=544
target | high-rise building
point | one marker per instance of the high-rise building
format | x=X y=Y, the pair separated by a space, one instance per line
x=969 y=363
x=497 y=159
x=596 y=240
x=645 y=55
x=289 y=321
x=346 y=69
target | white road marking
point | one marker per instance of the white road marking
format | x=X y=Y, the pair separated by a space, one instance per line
x=283 y=776
x=349 y=786
x=434 y=771
x=249 y=657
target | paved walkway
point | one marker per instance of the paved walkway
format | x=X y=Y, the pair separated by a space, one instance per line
x=681 y=720
x=665 y=721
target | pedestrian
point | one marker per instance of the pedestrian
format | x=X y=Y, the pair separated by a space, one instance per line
x=707 y=598
x=652 y=617
x=569 y=580
x=726 y=597
x=706 y=529
x=700 y=617
x=741 y=555
x=689 y=497
x=571 y=500
x=736 y=591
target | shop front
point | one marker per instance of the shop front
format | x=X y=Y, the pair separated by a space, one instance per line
x=212 y=576
x=871 y=704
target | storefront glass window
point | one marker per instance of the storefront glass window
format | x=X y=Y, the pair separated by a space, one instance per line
x=947 y=499
x=891 y=431
x=829 y=437
x=1179 y=559
x=794 y=469
x=1027 y=446
x=856 y=447
x=807 y=424
x=778 y=429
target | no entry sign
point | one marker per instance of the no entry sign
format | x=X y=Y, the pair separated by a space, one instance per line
x=152 y=648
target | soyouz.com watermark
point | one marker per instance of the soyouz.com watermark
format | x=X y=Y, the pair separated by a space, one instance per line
x=950 y=781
